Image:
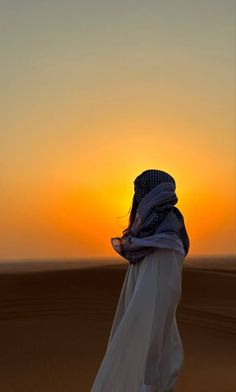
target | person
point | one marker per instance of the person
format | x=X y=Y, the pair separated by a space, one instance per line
x=145 y=351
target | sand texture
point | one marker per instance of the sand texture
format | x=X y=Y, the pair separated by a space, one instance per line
x=54 y=326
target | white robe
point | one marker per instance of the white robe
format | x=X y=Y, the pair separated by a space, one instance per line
x=144 y=351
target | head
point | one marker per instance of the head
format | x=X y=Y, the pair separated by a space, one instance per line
x=143 y=184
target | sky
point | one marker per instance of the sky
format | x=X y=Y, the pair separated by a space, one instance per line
x=95 y=92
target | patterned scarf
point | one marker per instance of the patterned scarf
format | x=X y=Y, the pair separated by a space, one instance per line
x=157 y=223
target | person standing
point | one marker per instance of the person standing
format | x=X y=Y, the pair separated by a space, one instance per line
x=144 y=352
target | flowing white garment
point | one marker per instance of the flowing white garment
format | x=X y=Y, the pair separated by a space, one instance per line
x=144 y=351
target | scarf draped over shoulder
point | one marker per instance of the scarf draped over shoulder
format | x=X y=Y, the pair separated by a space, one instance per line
x=157 y=224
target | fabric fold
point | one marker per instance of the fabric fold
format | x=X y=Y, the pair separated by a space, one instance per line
x=144 y=350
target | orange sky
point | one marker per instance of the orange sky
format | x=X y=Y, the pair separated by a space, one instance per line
x=94 y=95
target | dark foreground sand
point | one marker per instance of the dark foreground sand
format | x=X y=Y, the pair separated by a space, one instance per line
x=54 y=327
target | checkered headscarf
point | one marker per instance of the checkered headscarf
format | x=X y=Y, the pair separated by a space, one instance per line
x=143 y=184
x=157 y=222
x=147 y=180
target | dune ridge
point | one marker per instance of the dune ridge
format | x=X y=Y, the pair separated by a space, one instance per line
x=57 y=322
x=71 y=293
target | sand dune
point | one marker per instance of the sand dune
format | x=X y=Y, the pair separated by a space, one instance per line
x=54 y=326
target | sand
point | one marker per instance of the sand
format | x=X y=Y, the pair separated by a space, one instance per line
x=55 y=322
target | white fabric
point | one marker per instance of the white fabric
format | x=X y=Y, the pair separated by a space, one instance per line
x=133 y=246
x=144 y=351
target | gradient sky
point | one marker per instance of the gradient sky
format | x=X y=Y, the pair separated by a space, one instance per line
x=95 y=92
